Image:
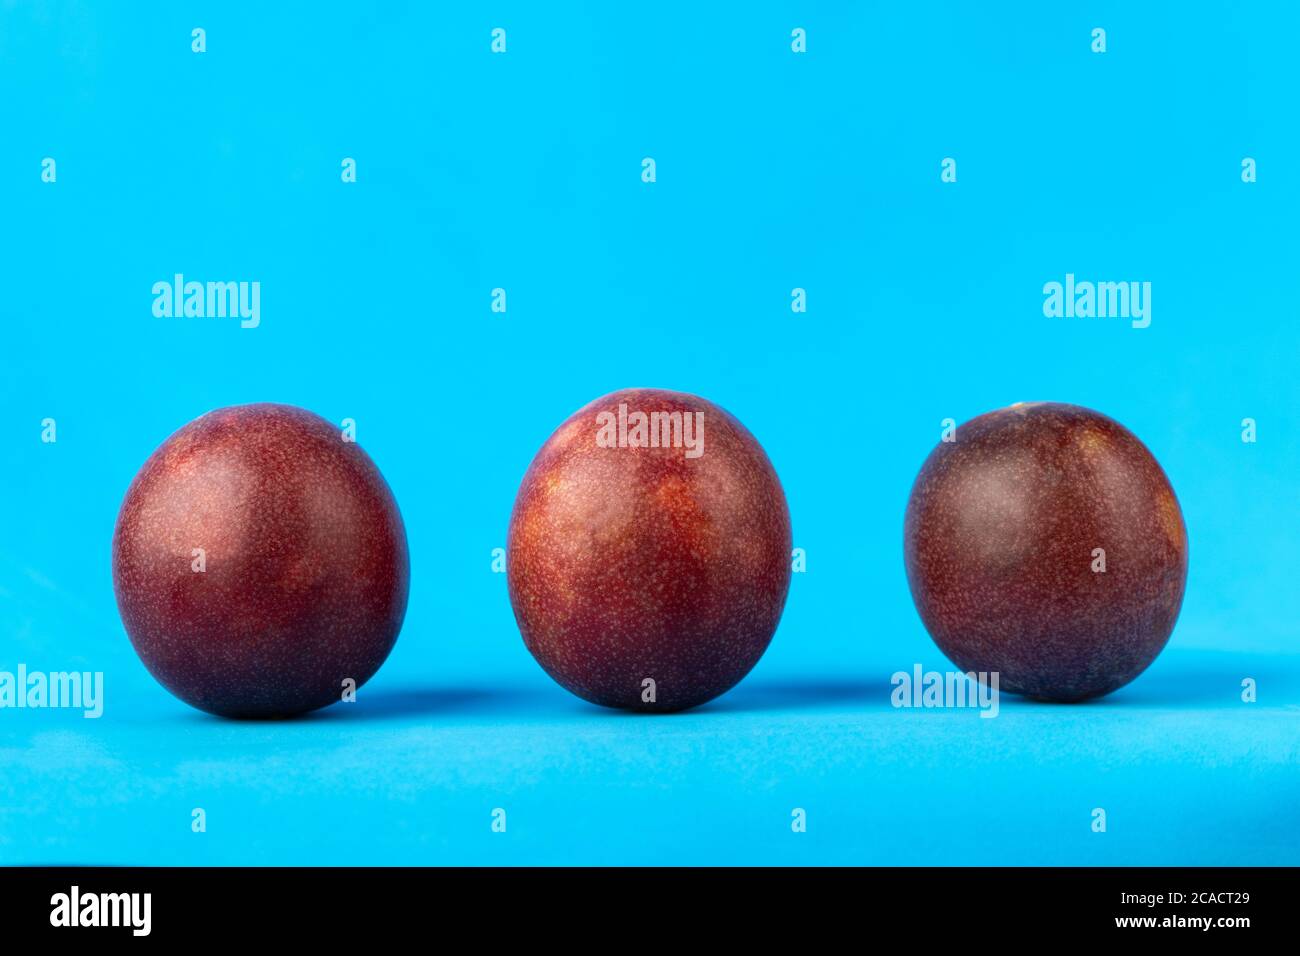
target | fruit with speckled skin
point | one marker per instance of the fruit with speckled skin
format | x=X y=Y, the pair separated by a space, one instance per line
x=260 y=562
x=633 y=564
x=1006 y=535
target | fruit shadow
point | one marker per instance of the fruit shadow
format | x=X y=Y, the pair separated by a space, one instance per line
x=1195 y=678
x=1209 y=679
x=404 y=703
x=867 y=693
x=1203 y=679
x=398 y=703
x=408 y=702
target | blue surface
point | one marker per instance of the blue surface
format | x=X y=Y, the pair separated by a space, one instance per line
x=775 y=170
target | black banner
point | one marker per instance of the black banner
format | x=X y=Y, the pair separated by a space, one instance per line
x=296 y=905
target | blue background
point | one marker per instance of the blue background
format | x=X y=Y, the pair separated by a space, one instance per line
x=775 y=170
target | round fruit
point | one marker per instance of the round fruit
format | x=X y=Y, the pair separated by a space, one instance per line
x=260 y=563
x=649 y=551
x=1046 y=544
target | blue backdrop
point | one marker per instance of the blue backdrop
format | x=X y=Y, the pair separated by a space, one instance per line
x=774 y=170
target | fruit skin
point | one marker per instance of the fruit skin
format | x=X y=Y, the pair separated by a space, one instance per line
x=633 y=563
x=306 y=563
x=998 y=544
